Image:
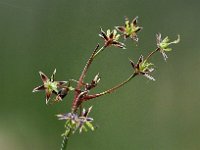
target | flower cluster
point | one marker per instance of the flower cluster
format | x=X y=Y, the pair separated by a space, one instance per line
x=78 y=119
x=129 y=30
x=76 y=122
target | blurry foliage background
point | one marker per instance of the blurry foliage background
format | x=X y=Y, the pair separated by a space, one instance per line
x=46 y=34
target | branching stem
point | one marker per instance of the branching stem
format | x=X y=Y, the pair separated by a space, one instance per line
x=80 y=82
x=100 y=50
x=111 y=89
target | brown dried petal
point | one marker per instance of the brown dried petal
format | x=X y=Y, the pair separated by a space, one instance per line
x=48 y=95
x=140 y=59
x=85 y=113
x=43 y=77
x=138 y=29
x=119 y=44
x=134 y=22
x=104 y=35
x=132 y=64
x=39 y=88
x=111 y=35
x=120 y=28
x=60 y=83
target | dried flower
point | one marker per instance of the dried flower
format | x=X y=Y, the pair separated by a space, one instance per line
x=49 y=85
x=94 y=82
x=111 y=38
x=163 y=44
x=130 y=29
x=62 y=93
x=143 y=68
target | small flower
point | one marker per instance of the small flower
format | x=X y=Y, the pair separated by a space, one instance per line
x=49 y=85
x=130 y=29
x=111 y=38
x=76 y=122
x=143 y=68
x=163 y=44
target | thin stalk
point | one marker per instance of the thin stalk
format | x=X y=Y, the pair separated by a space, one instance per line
x=65 y=141
x=94 y=54
x=111 y=89
x=153 y=52
x=80 y=82
x=119 y=85
x=100 y=50
x=86 y=68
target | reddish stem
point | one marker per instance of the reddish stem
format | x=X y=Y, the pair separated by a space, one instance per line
x=88 y=97
x=78 y=93
x=80 y=81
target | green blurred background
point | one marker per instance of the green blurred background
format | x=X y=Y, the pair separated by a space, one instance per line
x=144 y=115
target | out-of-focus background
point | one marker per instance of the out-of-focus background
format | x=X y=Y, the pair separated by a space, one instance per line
x=144 y=115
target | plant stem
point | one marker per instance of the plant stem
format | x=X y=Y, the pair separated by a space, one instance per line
x=111 y=89
x=80 y=82
x=100 y=50
x=65 y=141
x=153 y=52
x=119 y=85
